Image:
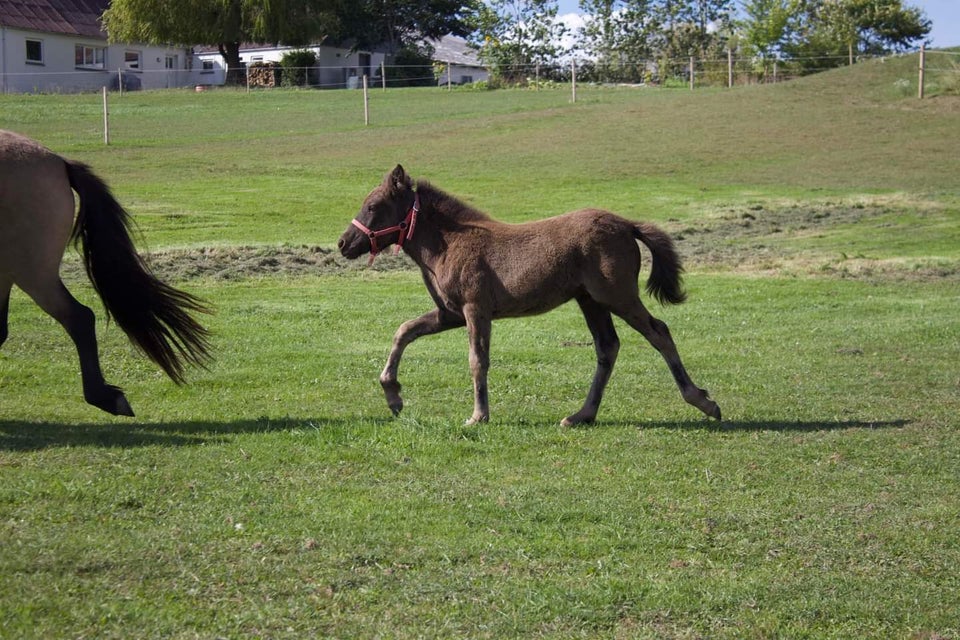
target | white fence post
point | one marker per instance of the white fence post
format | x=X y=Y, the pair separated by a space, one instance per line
x=106 y=119
x=366 y=102
x=573 y=80
x=923 y=57
x=729 y=68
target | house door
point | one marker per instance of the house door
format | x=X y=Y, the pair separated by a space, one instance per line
x=365 y=65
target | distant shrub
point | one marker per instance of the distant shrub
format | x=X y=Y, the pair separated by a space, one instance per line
x=296 y=67
x=413 y=67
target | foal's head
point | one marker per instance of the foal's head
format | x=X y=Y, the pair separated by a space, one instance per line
x=386 y=217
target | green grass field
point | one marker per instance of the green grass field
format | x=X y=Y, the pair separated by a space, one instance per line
x=275 y=496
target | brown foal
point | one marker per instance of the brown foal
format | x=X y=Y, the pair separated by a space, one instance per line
x=478 y=269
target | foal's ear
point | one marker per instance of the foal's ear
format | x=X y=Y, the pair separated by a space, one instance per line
x=399 y=180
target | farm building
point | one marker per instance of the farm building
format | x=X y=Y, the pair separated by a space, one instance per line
x=339 y=66
x=460 y=61
x=51 y=46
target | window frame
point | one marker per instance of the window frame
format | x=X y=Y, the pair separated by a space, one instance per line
x=129 y=65
x=93 y=65
x=26 y=53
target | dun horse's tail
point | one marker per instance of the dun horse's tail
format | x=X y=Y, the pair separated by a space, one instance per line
x=155 y=316
x=666 y=280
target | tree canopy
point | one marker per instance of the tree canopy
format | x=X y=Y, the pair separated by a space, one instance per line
x=227 y=24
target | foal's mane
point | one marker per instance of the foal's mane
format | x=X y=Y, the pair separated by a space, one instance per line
x=447 y=205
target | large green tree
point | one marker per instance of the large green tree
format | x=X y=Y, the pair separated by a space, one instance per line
x=223 y=23
x=399 y=24
x=830 y=31
x=766 y=24
x=227 y=24
x=513 y=35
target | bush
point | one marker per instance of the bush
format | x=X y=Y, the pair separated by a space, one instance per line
x=413 y=68
x=296 y=67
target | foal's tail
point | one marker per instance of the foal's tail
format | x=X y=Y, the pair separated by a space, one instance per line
x=155 y=316
x=666 y=281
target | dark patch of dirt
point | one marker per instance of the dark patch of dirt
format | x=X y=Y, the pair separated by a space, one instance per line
x=760 y=239
x=745 y=235
x=236 y=263
x=756 y=238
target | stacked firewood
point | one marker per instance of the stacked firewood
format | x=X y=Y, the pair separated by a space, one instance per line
x=264 y=74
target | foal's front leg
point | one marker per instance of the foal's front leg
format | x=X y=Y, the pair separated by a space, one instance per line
x=429 y=323
x=478 y=331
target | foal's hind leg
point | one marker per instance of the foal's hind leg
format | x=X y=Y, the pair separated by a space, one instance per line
x=79 y=322
x=607 y=345
x=657 y=333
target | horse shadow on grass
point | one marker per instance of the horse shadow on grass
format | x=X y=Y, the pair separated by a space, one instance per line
x=784 y=426
x=38 y=435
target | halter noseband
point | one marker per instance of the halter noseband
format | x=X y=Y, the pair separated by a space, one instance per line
x=405 y=228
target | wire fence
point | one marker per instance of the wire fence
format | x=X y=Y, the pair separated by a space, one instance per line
x=941 y=73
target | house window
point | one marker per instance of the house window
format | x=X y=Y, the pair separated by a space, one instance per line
x=170 y=62
x=35 y=51
x=131 y=60
x=87 y=57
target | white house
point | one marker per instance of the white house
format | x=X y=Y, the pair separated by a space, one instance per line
x=54 y=46
x=457 y=58
x=338 y=66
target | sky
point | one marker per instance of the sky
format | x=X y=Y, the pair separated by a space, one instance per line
x=944 y=14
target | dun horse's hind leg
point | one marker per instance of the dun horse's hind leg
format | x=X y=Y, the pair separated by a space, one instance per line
x=657 y=333
x=429 y=323
x=607 y=345
x=5 y=286
x=79 y=322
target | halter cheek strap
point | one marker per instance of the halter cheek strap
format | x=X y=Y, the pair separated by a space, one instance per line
x=405 y=229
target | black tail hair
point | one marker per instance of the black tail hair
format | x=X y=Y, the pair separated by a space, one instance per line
x=155 y=316
x=666 y=280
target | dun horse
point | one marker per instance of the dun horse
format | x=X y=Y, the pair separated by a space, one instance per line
x=36 y=224
x=477 y=270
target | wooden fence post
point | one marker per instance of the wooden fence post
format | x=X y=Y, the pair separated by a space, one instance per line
x=691 y=73
x=366 y=102
x=923 y=57
x=730 y=68
x=383 y=74
x=106 y=119
x=573 y=80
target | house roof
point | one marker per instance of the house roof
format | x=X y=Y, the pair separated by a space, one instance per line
x=71 y=17
x=455 y=50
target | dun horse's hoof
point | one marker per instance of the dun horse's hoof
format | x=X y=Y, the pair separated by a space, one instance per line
x=115 y=404
x=123 y=408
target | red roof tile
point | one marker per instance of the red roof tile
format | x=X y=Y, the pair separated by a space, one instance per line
x=74 y=17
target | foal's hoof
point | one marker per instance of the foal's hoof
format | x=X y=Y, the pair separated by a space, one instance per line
x=395 y=407
x=577 y=419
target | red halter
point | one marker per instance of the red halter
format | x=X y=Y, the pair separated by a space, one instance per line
x=406 y=225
